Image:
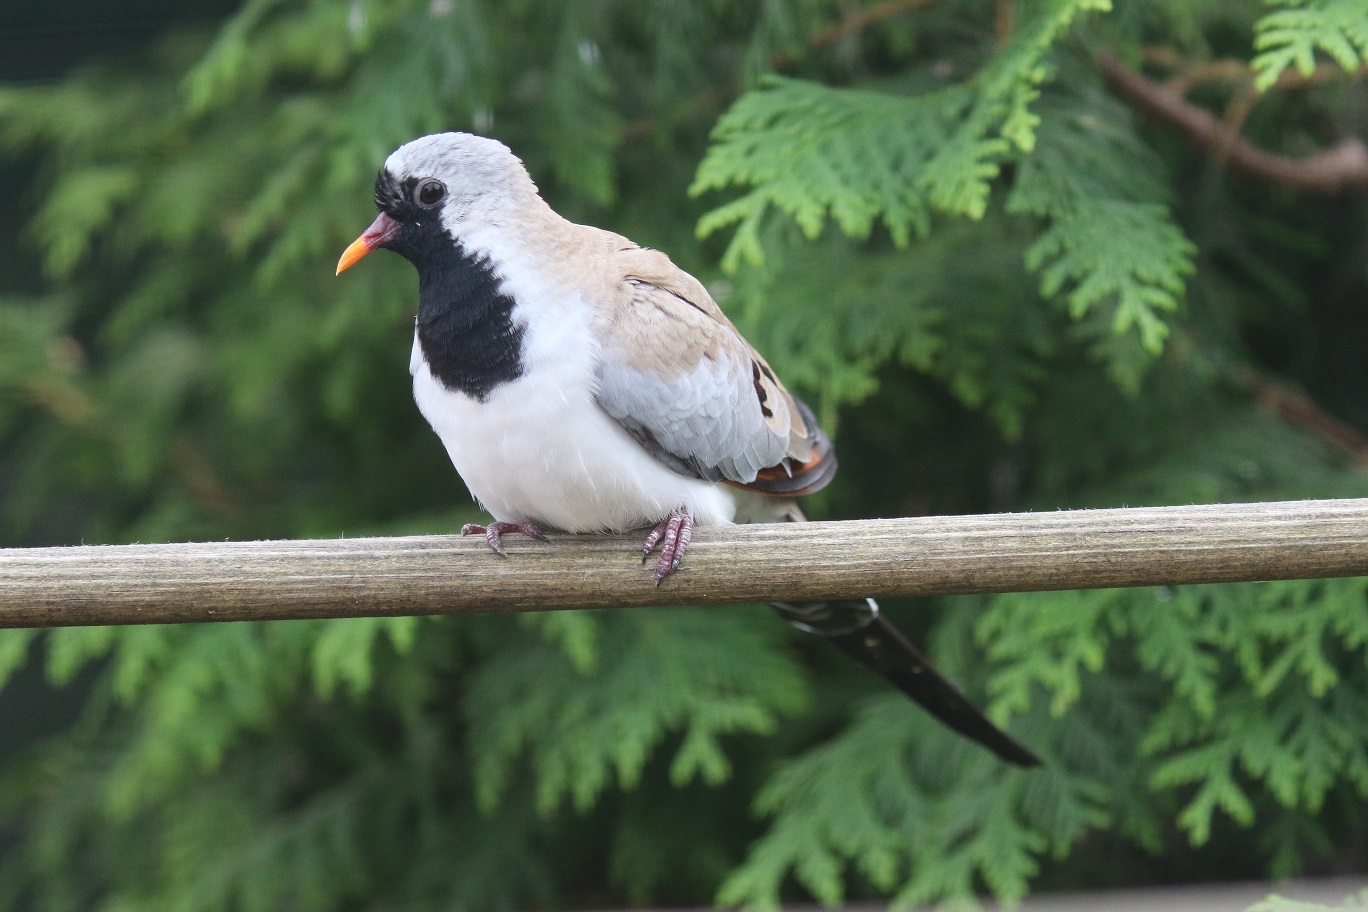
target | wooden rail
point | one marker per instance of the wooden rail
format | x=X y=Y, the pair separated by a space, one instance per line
x=444 y=574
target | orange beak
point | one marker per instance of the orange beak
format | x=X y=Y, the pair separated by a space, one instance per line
x=377 y=235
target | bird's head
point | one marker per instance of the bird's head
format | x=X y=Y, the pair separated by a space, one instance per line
x=436 y=188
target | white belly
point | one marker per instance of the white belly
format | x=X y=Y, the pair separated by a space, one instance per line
x=541 y=450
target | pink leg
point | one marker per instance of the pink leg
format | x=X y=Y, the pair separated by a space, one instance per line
x=673 y=534
x=495 y=530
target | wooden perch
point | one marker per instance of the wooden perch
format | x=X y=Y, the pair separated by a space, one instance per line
x=444 y=574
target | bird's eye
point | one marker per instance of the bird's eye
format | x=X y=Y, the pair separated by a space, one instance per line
x=431 y=192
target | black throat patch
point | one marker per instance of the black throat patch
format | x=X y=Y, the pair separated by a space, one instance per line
x=465 y=323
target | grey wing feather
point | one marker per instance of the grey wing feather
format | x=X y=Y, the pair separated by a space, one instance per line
x=702 y=419
x=678 y=376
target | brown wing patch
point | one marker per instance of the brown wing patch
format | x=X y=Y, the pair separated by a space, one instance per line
x=791 y=478
x=654 y=334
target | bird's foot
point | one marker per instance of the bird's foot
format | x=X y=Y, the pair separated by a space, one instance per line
x=495 y=530
x=673 y=534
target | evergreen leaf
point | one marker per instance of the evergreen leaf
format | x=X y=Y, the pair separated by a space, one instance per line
x=1046 y=641
x=868 y=800
x=70 y=649
x=698 y=672
x=187 y=367
x=14 y=651
x=1110 y=237
x=812 y=151
x=577 y=632
x=343 y=648
x=1116 y=248
x=78 y=209
x=830 y=316
x=809 y=150
x=1174 y=640
x=1291 y=36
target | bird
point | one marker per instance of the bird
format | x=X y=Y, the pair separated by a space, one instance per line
x=584 y=383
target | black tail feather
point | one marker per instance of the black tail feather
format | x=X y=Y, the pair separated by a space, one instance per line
x=858 y=630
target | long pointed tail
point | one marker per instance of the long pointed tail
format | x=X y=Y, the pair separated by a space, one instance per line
x=857 y=629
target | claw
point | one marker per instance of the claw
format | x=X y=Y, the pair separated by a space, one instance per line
x=494 y=531
x=649 y=545
x=673 y=534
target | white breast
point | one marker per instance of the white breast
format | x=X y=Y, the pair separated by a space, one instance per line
x=541 y=450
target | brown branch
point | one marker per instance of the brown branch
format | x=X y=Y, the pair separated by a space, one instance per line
x=1227 y=70
x=1299 y=409
x=446 y=574
x=1231 y=69
x=1004 y=21
x=857 y=21
x=1342 y=167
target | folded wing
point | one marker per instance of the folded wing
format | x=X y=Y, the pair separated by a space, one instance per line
x=676 y=374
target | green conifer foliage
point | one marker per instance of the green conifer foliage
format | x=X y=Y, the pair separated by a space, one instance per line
x=1002 y=287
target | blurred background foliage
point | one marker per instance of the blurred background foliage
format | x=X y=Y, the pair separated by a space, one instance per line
x=943 y=220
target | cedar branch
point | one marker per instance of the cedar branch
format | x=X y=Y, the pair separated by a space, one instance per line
x=1342 y=167
x=854 y=22
x=1297 y=408
x=862 y=18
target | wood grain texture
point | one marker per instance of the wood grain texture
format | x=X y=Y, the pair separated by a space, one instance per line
x=444 y=574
